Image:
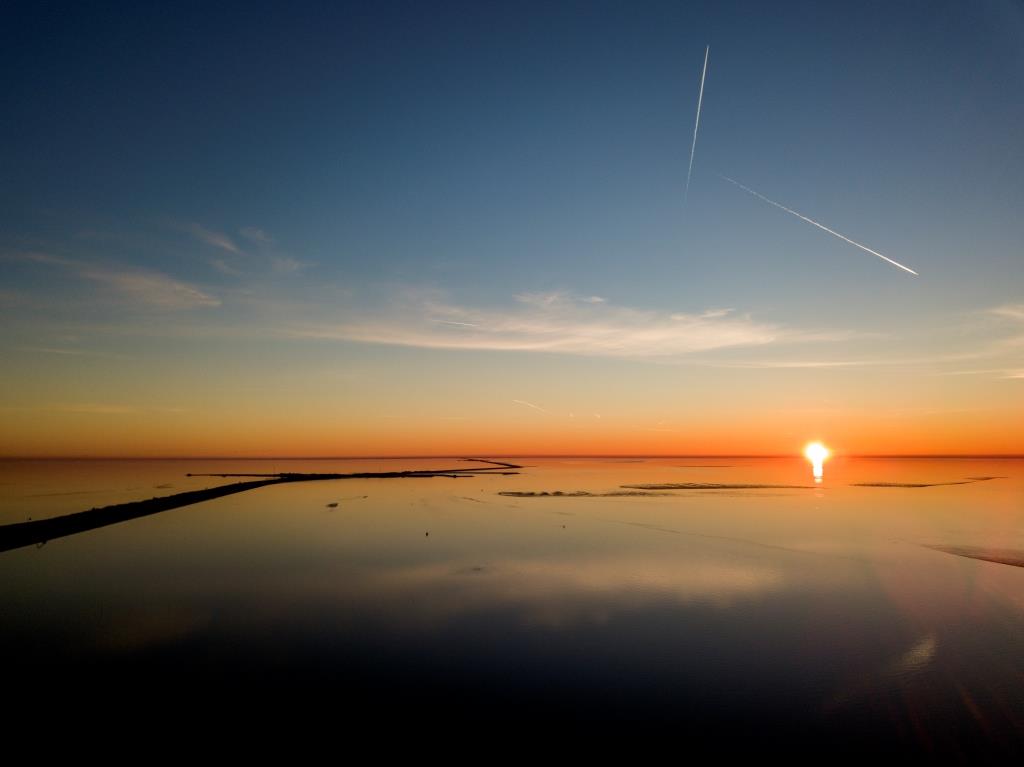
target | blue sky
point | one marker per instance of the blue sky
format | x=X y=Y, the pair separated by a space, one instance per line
x=509 y=178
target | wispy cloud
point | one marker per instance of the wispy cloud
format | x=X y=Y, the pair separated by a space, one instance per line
x=10 y=299
x=1009 y=311
x=64 y=352
x=977 y=372
x=531 y=405
x=994 y=335
x=102 y=408
x=136 y=285
x=896 y=360
x=713 y=313
x=94 y=408
x=260 y=255
x=554 y=322
x=224 y=267
x=42 y=258
x=287 y=264
x=54 y=350
x=783 y=364
x=256 y=235
x=212 y=238
x=153 y=289
x=1011 y=346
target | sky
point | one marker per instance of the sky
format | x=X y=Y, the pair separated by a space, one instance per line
x=391 y=228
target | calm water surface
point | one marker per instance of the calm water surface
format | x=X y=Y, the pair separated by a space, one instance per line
x=770 y=613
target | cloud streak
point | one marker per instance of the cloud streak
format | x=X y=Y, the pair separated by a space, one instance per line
x=154 y=289
x=820 y=226
x=94 y=408
x=256 y=235
x=261 y=253
x=554 y=322
x=214 y=239
x=138 y=286
x=986 y=341
x=1009 y=312
x=74 y=352
x=1014 y=344
x=531 y=405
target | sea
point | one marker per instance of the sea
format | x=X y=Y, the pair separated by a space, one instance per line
x=721 y=603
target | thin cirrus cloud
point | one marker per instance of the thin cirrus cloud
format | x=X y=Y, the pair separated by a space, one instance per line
x=555 y=322
x=103 y=408
x=154 y=289
x=1009 y=311
x=530 y=405
x=1014 y=344
x=1006 y=317
x=137 y=286
x=212 y=238
x=93 y=408
x=261 y=251
x=287 y=264
x=998 y=337
x=981 y=342
x=224 y=267
x=64 y=352
x=256 y=235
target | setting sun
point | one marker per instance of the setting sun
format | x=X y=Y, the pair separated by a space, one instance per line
x=817 y=453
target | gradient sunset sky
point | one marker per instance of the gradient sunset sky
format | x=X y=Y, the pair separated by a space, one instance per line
x=458 y=228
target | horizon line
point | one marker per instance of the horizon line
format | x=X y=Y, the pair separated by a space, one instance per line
x=462 y=456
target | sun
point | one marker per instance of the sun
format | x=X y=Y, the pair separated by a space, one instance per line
x=817 y=453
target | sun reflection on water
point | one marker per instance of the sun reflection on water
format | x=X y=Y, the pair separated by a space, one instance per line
x=817 y=454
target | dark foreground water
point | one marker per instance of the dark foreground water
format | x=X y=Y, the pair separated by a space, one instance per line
x=798 y=618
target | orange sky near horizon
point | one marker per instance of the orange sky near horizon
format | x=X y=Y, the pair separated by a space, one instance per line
x=143 y=435
x=268 y=399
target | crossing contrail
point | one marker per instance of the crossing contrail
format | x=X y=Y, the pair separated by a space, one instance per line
x=693 y=147
x=820 y=226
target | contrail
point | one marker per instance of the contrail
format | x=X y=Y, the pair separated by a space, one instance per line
x=820 y=226
x=693 y=147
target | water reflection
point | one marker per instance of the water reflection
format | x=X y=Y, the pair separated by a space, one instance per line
x=793 y=613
